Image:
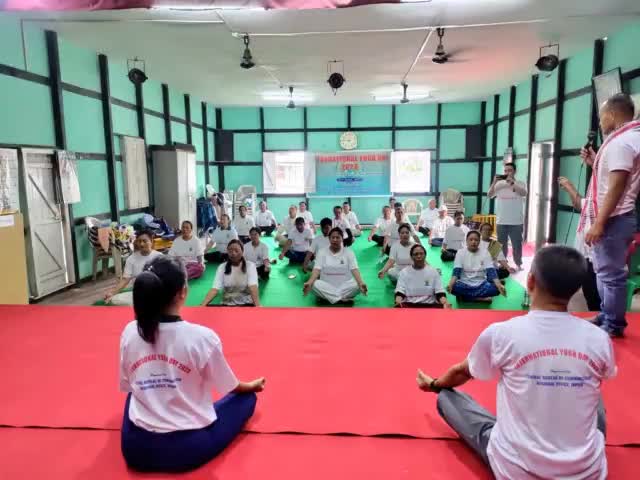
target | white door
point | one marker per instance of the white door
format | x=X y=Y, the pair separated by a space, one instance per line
x=45 y=237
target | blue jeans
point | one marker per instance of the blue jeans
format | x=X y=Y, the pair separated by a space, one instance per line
x=513 y=232
x=609 y=261
x=184 y=450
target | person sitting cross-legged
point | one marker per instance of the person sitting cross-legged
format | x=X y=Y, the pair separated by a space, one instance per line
x=439 y=227
x=377 y=232
x=494 y=248
x=399 y=256
x=454 y=238
x=427 y=218
x=258 y=253
x=318 y=243
x=298 y=242
x=335 y=275
x=420 y=285
x=474 y=277
x=550 y=365
x=168 y=368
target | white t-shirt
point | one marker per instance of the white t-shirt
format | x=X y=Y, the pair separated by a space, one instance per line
x=257 y=254
x=352 y=218
x=401 y=255
x=301 y=241
x=171 y=381
x=550 y=366
x=455 y=237
x=265 y=219
x=440 y=226
x=336 y=268
x=235 y=286
x=428 y=216
x=136 y=262
x=621 y=153
x=308 y=218
x=288 y=224
x=243 y=225
x=579 y=243
x=318 y=243
x=382 y=224
x=341 y=223
x=419 y=286
x=187 y=250
x=509 y=204
x=393 y=234
x=474 y=266
x=223 y=237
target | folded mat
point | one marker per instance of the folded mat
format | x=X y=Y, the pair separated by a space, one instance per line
x=349 y=372
x=85 y=454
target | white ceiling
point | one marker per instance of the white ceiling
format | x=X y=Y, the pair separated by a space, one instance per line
x=199 y=52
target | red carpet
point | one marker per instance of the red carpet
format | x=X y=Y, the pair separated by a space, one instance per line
x=352 y=371
x=95 y=455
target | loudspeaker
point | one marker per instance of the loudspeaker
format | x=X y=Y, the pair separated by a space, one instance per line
x=474 y=142
x=225 y=146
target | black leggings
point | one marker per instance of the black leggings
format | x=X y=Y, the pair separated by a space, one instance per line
x=379 y=239
x=215 y=257
x=425 y=231
x=267 y=230
x=263 y=273
x=448 y=255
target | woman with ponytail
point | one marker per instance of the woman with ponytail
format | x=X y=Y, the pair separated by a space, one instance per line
x=237 y=278
x=168 y=367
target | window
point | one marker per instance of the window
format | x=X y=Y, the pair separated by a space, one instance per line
x=410 y=171
x=288 y=172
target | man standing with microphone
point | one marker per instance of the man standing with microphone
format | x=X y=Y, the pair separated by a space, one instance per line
x=607 y=218
x=509 y=194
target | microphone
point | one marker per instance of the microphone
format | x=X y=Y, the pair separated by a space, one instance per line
x=591 y=140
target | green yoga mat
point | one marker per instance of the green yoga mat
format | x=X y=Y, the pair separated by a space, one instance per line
x=282 y=291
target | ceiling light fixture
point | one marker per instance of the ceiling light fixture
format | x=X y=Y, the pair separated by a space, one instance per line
x=336 y=79
x=247 y=58
x=549 y=62
x=136 y=75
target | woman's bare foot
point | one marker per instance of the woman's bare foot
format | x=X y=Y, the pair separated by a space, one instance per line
x=423 y=380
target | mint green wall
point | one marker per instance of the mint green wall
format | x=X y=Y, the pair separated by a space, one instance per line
x=327 y=117
x=371 y=116
x=26 y=116
x=410 y=115
x=576 y=114
x=416 y=139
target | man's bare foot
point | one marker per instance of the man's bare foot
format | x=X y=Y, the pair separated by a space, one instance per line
x=423 y=380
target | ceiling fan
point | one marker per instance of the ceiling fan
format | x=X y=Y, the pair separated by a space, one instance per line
x=441 y=56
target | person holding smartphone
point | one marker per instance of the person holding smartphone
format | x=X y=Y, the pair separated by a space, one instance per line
x=510 y=195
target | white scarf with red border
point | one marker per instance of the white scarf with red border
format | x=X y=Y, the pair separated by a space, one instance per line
x=590 y=209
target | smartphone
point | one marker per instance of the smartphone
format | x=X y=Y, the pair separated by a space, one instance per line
x=501 y=177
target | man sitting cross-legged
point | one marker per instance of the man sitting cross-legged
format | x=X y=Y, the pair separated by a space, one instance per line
x=549 y=364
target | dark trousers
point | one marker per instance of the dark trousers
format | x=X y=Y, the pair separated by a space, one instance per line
x=215 y=257
x=590 y=289
x=295 y=257
x=474 y=424
x=425 y=231
x=267 y=230
x=347 y=242
x=379 y=239
x=263 y=273
x=502 y=273
x=244 y=238
x=448 y=255
x=437 y=242
x=419 y=305
x=185 y=450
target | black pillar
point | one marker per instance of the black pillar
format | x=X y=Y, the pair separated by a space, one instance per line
x=108 y=137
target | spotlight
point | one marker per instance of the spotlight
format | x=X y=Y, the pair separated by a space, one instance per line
x=549 y=62
x=136 y=75
x=247 y=59
x=336 y=79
